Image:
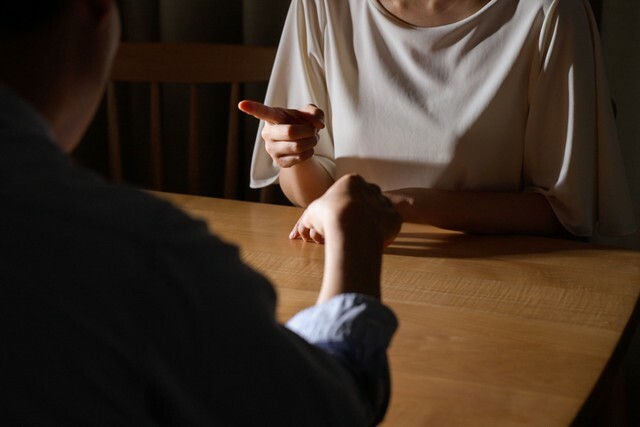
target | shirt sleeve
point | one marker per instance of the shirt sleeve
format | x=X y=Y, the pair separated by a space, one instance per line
x=356 y=330
x=297 y=79
x=572 y=156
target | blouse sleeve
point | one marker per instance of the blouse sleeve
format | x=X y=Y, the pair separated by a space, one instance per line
x=572 y=155
x=297 y=79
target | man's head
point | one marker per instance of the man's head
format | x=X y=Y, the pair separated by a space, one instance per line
x=57 y=55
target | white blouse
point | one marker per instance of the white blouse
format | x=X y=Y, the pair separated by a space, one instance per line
x=512 y=98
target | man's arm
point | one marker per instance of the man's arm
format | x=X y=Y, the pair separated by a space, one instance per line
x=354 y=220
x=328 y=366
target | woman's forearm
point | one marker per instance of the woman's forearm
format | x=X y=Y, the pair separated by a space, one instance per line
x=305 y=182
x=478 y=212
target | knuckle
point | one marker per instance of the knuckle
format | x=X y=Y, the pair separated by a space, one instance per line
x=271 y=149
x=294 y=147
x=266 y=133
x=288 y=131
x=307 y=154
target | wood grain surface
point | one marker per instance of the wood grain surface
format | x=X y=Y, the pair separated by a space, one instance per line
x=494 y=330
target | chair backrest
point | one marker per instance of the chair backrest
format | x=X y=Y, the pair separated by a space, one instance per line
x=193 y=65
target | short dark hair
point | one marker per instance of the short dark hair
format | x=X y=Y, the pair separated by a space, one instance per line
x=20 y=17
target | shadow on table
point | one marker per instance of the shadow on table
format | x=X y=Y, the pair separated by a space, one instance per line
x=459 y=245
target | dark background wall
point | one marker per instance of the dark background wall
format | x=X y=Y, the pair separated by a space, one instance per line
x=255 y=22
x=620 y=27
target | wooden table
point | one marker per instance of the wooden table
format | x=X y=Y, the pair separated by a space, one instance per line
x=494 y=330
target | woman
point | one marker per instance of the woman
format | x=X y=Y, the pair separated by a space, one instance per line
x=488 y=116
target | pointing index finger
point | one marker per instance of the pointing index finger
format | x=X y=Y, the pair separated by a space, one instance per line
x=310 y=114
x=260 y=111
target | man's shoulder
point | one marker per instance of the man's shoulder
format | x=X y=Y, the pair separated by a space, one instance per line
x=64 y=193
x=135 y=213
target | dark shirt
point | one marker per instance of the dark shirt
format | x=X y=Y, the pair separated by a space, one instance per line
x=118 y=309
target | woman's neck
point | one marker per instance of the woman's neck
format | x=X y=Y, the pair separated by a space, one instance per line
x=432 y=13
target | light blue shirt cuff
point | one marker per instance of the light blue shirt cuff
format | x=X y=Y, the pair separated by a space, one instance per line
x=355 y=329
x=361 y=322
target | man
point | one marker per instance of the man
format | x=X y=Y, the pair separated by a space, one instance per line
x=118 y=309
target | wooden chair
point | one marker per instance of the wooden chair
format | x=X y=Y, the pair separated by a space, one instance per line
x=193 y=65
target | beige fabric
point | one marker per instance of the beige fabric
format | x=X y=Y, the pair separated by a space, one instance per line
x=512 y=98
